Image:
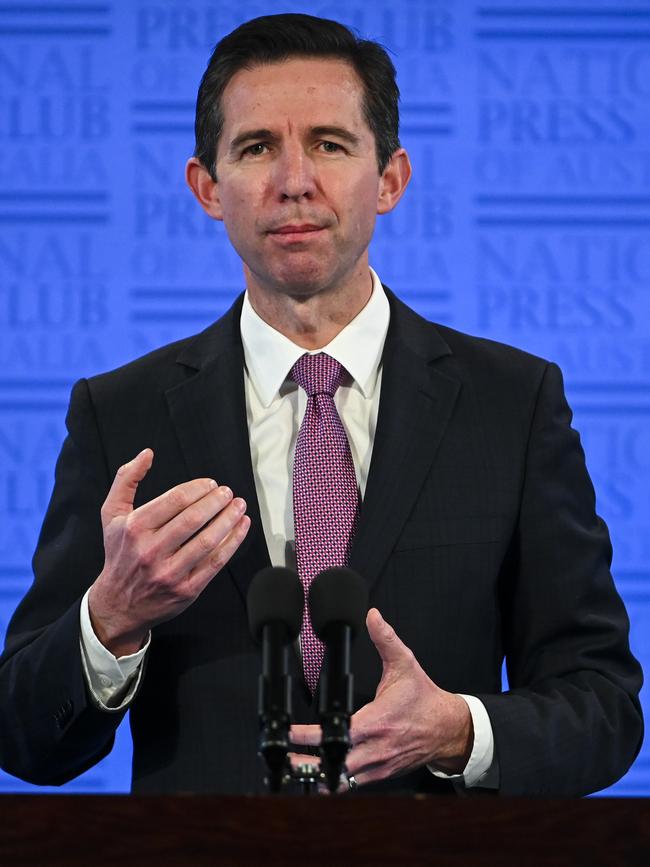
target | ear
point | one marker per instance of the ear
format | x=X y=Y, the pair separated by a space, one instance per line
x=393 y=181
x=204 y=188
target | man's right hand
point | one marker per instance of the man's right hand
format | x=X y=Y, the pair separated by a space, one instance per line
x=156 y=560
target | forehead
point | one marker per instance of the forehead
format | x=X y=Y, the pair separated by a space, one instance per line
x=309 y=91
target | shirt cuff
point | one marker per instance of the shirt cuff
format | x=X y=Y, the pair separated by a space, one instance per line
x=482 y=768
x=112 y=681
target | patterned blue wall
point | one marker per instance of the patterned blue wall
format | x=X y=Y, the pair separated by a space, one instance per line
x=527 y=221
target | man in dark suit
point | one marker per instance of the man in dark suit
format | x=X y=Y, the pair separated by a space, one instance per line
x=477 y=533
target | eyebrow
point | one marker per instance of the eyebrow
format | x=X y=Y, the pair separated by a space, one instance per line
x=316 y=131
x=250 y=135
x=338 y=132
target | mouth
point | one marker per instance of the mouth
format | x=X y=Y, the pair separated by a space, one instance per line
x=293 y=232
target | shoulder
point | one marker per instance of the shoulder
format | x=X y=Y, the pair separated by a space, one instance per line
x=502 y=378
x=171 y=364
x=490 y=356
x=156 y=366
x=465 y=356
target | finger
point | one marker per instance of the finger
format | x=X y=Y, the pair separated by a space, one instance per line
x=305 y=735
x=122 y=493
x=214 y=563
x=369 y=774
x=363 y=723
x=344 y=785
x=361 y=757
x=389 y=646
x=156 y=513
x=209 y=543
x=176 y=532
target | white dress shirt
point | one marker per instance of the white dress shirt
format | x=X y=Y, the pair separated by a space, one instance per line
x=275 y=407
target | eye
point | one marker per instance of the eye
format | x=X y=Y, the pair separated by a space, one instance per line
x=255 y=150
x=331 y=147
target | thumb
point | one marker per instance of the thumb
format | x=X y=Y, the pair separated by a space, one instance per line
x=122 y=493
x=390 y=647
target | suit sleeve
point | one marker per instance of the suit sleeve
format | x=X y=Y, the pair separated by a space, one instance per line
x=50 y=730
x=571 y=721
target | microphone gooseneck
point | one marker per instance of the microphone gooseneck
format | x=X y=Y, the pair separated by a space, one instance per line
x=338 y=602
x=275 y=606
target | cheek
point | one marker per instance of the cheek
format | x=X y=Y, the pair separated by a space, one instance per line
x=240 y=198
x=363 y=197
x=240 y=214
x=365 y=210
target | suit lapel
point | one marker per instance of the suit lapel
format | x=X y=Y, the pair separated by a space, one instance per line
x=208 y=412
x=415 y=407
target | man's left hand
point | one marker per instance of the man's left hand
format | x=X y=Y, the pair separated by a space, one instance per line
x=410 y=723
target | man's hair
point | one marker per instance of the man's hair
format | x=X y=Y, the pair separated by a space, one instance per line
x=274 y=38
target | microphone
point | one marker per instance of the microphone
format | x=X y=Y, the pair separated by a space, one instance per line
x=275 y=606
x=338 y=603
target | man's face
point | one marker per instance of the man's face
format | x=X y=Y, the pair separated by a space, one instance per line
x=298 y=185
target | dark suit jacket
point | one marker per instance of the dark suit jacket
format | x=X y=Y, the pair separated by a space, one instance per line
x=478 y=539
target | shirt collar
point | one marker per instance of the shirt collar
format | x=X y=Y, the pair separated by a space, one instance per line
x=269 y=355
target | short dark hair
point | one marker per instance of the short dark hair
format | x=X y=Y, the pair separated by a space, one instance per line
x=274 y=38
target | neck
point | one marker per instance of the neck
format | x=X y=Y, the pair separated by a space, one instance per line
x=313 y=321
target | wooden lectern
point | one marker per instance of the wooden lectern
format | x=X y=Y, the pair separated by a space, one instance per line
x=192 y=831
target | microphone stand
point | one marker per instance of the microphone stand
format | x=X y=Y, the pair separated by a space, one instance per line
x=335 y=703
x=274 y=704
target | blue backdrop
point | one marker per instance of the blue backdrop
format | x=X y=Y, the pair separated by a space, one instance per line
x=526 y=221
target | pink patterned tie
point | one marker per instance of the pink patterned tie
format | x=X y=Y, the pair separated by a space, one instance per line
x=325 y=493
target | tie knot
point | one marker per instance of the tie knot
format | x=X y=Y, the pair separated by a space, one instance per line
x=318 y=374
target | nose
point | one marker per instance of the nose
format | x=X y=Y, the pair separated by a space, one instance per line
x=295 y=178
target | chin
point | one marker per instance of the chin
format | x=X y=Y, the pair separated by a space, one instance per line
x=301 y=279
x=301 y=284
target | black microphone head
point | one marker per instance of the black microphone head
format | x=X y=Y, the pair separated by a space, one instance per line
x=338 y=595
x=275 y=595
